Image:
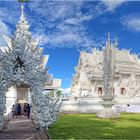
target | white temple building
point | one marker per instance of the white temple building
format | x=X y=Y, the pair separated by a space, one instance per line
x=21 y=94
x=87 y=83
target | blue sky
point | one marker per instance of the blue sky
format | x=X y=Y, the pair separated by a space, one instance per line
x=67 y=27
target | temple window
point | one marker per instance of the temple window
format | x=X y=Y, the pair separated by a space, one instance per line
x=122 y=90
x=100 y=90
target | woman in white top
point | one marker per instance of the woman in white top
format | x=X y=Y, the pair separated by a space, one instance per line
x=13 y=111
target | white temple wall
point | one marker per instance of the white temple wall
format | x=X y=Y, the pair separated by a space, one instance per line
x=92 y=105
x=83 y=83
x=11 y=98
x=29 y=96
x=127 y=96
x=78 y=91
x=119 y=83
x=116 y=87
x=83 y=77
x=93 y=88
x=81 y=105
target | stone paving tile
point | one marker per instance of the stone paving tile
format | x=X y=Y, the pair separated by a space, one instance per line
x=20 y=128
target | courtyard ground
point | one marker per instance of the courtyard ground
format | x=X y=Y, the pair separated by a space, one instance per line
x=87 y=126
x=20 y=128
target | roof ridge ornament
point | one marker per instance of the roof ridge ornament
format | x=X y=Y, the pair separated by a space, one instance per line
x=22 y=27
x=108 y=42
x=22 y=10
x=108 y=37
x=22 y=7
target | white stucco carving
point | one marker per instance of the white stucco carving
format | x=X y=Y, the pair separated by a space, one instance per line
x=126 y=69
x=133 y=86
x=108 y=83
x=20 y=65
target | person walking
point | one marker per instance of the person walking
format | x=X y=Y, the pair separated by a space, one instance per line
x=13 y=111
x=25 y=109
x=28 y=110
x=19 y=110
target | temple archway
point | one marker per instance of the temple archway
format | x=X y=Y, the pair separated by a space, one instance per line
x=22 y=63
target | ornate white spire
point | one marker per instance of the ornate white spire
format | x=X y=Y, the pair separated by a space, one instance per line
x=108 y=43
x=108 y=37
x=22 y=33
x=23 y=26
x=22 y=18
x=108 y=81
x=107 y=69
x=22 y=37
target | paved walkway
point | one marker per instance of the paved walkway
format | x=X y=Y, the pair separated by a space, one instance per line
x=20 y=128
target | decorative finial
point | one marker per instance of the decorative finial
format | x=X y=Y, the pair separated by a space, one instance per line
x=108 y=43
x=22 y=6
x=23 y=24
x=22 y=10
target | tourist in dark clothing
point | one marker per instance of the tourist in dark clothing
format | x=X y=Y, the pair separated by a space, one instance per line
x=25 y=109
x=19 y=110
x=28 y=110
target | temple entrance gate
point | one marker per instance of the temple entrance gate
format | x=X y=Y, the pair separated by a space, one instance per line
x=21 y=63
x=17 y=94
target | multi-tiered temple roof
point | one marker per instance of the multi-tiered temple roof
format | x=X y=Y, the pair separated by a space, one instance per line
x=89 y=71
x=124 y=61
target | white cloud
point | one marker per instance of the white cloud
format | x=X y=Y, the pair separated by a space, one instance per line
x=73 y=21
x=131 y=22
x=112 y=4
x=63 y=22
x=68 y=38
x=78 y=20
x=60 y=23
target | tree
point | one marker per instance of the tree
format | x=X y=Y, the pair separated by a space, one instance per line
x=58 y=93
x=51 y=94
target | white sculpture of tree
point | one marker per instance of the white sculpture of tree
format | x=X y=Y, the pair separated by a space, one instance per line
x=20 y=64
